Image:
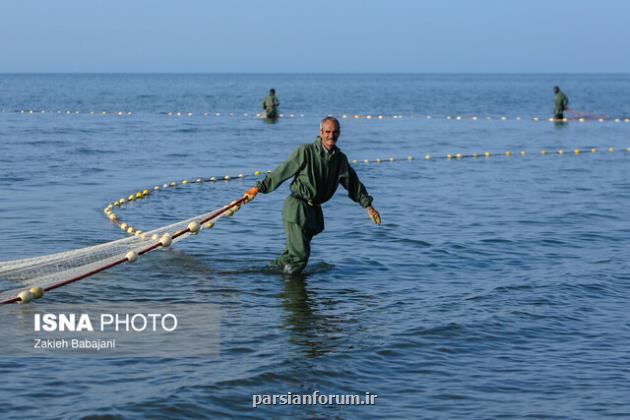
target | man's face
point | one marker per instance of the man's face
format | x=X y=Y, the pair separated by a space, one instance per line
x=329 y=133
x=556 y=90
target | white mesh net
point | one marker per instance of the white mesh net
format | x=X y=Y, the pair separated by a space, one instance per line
x=48 y=270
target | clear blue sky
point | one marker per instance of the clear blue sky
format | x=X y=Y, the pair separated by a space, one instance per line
x=562 y=36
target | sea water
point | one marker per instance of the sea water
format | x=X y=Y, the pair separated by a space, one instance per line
x=495 y=287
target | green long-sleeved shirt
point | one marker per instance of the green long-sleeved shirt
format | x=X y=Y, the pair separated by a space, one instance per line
x=270 y=102
x=317 y=174
x=561 y=103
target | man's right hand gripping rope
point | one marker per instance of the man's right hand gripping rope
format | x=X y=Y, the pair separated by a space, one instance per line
x=250 y=194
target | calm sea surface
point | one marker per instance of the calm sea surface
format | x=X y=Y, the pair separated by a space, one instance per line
x=495 y=287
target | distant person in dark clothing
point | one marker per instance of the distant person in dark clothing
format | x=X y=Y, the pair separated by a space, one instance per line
x=270 y=105
x=561 y=103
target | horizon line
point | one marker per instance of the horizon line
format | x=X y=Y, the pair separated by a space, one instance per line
x=306 y=73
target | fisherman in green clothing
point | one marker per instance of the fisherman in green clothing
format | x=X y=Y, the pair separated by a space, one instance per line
x=561 y=103
x=270 y=105
x=318 y=169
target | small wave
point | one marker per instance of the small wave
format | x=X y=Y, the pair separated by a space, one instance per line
x=178 y=155
x=12 y=179
x=90 y=151
x=187 y=130
x=415 y=242
x=496 y=241
x=45 y=143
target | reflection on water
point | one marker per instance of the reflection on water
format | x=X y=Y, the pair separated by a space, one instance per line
x=539 y=241
x=308 y=327
x=267 y=120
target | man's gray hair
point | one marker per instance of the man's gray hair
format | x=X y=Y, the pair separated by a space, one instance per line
x=329 y=118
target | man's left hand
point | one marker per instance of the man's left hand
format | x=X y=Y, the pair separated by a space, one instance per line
x=374 y=215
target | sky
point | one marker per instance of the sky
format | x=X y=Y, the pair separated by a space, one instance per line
x=302 y=36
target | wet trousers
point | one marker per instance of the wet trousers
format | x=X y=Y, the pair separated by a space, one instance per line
x=271 y=113
x=298 y=249
x=301 y=223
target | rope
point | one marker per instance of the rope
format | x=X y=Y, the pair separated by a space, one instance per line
x=585 y=115
x=140 y=195
x=158 y=242
x=579 y=116
x=208 y=221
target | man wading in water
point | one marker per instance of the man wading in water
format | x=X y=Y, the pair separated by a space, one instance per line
x=560 y=104
x=270 y=105
x=318 y=169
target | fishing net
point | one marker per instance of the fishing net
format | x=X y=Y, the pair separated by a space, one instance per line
x=55 y=270
x=52 y=271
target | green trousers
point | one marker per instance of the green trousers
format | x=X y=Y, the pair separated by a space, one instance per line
x=295 y=257
x=271 y=113
x=301 y=223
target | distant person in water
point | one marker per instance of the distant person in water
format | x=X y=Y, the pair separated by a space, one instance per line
x=317 y=170
x=270 y=105
x=561 y=103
